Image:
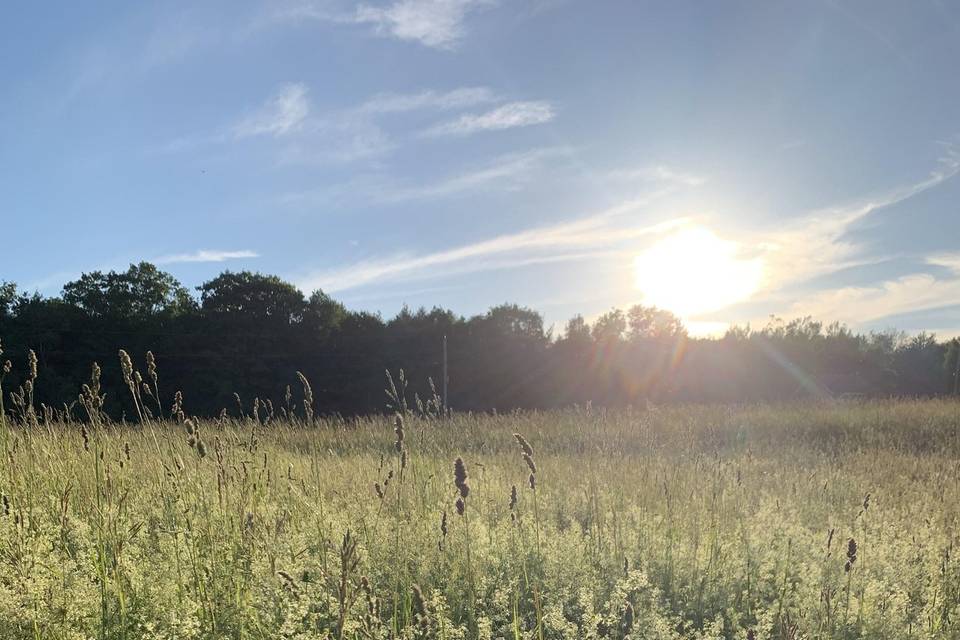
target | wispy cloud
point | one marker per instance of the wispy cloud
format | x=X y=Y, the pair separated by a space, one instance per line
x=308 y=135
x=432 y=23
x=430 y=99
x=507 y=116
x=859 y=305
x=508 y=171
x=205 y=255
x=948 y=260
x=656 y=173
x=504 y=173
x=564 y=241
x=819 y=244
x=283 y=113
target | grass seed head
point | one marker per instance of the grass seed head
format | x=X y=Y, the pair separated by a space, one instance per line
x=460 y=477
x=851 y=554
x=530 y=463
x=627 y=618
x=524 y=445
x=32 y=364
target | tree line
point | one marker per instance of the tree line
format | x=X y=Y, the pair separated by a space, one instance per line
x=243 y=336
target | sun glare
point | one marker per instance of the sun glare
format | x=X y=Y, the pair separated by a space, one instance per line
x=694 y=271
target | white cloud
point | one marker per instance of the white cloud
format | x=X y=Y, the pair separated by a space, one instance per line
x=283 y=113
x=339 y=136
x=552 y=243
x=206 y=255
x=510 y=170
x=507 y=116
x=949 y=260
x=432 y=23
x=507 y=172
x=817 y=244
x=430 y=99
x=656 y=173
x=857 y=305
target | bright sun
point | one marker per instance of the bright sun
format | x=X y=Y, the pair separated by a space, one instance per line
x=693 y=271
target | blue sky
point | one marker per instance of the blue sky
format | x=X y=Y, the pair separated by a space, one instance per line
x=466 y=153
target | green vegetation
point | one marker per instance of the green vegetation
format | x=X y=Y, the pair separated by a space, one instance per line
x=812 y=520
x=245 y=333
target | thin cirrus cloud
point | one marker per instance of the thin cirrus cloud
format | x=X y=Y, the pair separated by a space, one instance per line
x=283 y=113
x=507 y=116
x=430 y=99
x=206 y=255
x=594 y=235
x=509 y=171
x=819 y=245
x=306 y=135
x=432 y=23
x=437 y=24
x=504 y=173
x=949 y=261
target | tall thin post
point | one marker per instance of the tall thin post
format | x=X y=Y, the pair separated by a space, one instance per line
x=446 y=407
x=956 y=373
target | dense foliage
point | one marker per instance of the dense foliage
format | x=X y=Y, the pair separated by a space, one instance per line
x=247 y=333
x=823 y=520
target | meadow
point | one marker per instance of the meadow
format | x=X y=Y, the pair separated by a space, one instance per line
x=807 y=520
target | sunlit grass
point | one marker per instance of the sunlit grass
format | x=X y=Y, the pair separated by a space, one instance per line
x=696 y=522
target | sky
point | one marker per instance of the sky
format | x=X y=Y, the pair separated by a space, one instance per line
x=729 y=161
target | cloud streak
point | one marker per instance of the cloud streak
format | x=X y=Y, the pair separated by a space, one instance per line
x=283 y=113
x=437 y=24
x=818 y=245
x=430 y=99
x=507 y=116
x=205 y=255
x=306 y=135
x=551 y=243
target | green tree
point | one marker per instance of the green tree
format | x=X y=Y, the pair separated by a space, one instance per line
x=8 y=296
x=577 y=330
x=139 y=293
x=253 y=296
x=610 y=327
x=653 y=323
x=322 y=314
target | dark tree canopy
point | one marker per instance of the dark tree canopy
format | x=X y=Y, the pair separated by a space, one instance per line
x=248 y=333
x=140 y=292
x=253 y=296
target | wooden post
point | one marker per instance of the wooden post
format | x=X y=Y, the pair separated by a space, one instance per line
x=446 y=407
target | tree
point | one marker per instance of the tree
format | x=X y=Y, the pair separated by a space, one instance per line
x=653 y=323
x=8 y=296
x=610 y=327
x=514 y=320
x=252 y=296
x=577 y=330
x=322 y=314
x=139 y=293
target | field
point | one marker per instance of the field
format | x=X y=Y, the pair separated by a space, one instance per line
x=812 y=520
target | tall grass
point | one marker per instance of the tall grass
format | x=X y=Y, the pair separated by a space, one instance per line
x=686 y=522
